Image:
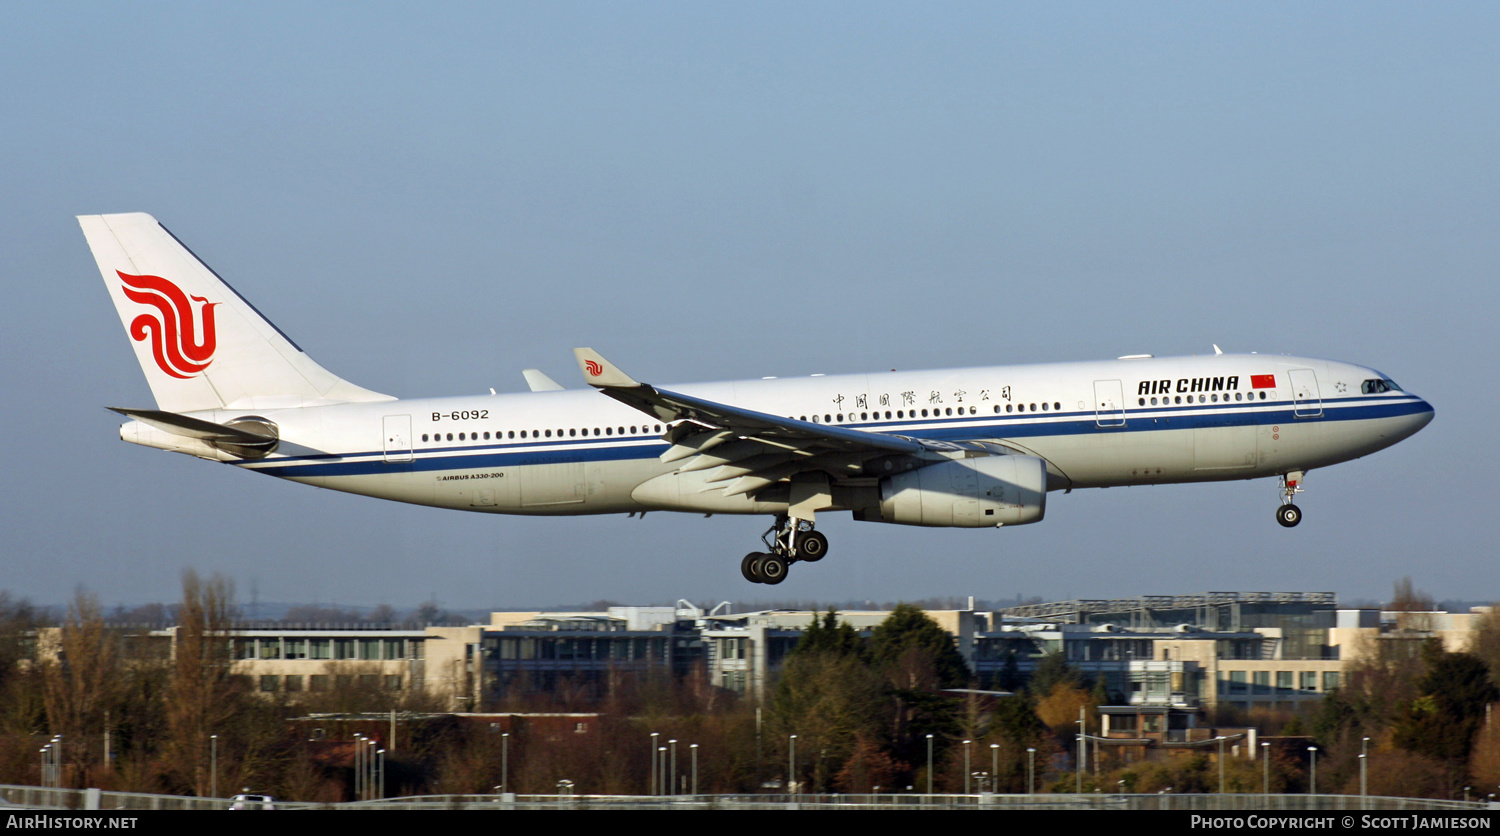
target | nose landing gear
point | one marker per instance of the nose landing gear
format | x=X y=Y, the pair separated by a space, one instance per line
x=1291 y=485
x=789 y=539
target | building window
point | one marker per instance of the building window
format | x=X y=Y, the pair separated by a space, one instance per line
x=268 y=683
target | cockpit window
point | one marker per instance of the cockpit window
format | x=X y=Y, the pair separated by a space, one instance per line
x=1375 y=387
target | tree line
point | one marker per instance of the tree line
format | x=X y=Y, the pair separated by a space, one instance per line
x=893 y=711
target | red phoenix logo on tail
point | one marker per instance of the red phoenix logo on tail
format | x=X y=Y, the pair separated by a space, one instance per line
x=180 y=350
x=593 y=367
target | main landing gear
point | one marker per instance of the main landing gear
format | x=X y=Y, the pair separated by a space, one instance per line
x=1291 y=485
x=789 y=540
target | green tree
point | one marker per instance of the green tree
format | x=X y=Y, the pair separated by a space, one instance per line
x=1442 y=721
x=1486 y=644
x=829 y=696
x=908 y=634
x=829 y=702
x=1054 y=670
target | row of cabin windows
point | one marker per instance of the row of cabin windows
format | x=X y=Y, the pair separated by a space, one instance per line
x=906 y=414
x=1177 y=399
x=826 y=418
x=1056 y=407
x=838 y=418
x=572 y=433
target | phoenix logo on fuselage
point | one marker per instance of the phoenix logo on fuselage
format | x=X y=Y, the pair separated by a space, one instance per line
x=181 y=348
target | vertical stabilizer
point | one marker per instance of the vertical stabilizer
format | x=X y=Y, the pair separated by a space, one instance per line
x=201 y=345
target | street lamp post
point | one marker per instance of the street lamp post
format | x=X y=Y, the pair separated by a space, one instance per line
x=672 y=773
x=694 y=748
x=994 y=767
x=1313 y=784
x=1031 y=770
x=1265 y=758
x=1364 y=764
x=929 y=764
x=505 y=762
x=791 y=762
x=1082 y=751
x=966 y=766
x=654 y=735
x=213 y=768
x=1221 y=740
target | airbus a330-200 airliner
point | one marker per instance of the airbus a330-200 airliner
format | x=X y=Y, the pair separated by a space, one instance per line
x=974 y=447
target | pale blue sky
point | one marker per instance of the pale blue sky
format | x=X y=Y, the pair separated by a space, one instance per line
x=431 y=198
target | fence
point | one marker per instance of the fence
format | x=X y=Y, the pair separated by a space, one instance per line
x=42 y=798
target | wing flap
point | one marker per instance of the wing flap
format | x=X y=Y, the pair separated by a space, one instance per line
x=751 y=450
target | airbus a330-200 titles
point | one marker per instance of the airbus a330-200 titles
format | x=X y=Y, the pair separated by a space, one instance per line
x=973 y=447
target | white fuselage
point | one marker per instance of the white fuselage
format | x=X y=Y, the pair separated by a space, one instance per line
x=1095 y=424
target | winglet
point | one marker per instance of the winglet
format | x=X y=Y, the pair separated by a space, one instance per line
x=600 y=373
x=540 y=382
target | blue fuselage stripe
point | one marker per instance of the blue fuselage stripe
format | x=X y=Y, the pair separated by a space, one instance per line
x=1137 y=419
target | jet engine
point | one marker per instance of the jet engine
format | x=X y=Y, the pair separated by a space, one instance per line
x=966 y=493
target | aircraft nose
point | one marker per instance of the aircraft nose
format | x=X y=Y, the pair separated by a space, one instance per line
x=1425 y=412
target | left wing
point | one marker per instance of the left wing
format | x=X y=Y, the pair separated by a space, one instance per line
x=751 y=450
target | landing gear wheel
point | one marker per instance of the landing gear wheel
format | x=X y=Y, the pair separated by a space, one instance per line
x=811 y=546
x=750 y=567
x=773 y=569
x=1289 y=515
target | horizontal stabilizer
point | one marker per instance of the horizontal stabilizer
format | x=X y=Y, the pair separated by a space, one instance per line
x=250 y=438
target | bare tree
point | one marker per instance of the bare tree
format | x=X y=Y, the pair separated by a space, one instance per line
x=80 y=682
x=200 y=690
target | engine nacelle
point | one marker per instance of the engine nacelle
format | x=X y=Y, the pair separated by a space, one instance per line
x=967 y=493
